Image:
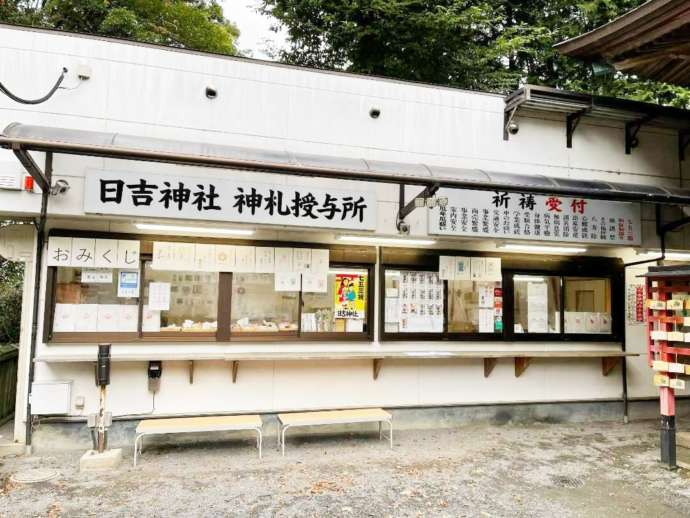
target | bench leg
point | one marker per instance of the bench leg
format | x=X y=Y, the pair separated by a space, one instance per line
x=390 y=423
x=282 y=441
x=380 y=430
x=137 y=439
x=259 y=440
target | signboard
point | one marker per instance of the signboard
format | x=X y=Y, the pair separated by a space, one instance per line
x=510 y=215
x=350 y=295
x=215 y=199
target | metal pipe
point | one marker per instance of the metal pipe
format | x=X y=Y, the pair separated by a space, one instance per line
x=340 y=174
x=40 y=241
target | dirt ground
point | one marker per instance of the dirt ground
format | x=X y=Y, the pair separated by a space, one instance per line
x=593 y=470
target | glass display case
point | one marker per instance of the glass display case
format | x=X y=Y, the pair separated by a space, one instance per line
x=256 y=307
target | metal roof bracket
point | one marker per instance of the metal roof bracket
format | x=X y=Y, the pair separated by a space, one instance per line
x=683 y=141
x=571 y=122
x=631 y=130
x=31 y=167
x=405 y=210
x=508 y=115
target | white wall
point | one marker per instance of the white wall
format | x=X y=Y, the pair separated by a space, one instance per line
x=156 y=92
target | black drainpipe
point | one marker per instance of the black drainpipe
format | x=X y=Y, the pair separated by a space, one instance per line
x=40 y=242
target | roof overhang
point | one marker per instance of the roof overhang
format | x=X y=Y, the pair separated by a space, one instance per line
x=25 y=138
x=575 y=105
x=651 y=41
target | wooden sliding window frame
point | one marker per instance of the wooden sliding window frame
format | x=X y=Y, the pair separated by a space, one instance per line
x=362 y=258
x=512 y=264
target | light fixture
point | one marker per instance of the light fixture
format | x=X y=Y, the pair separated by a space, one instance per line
x=669 y=256
x=371 y=240
x=527 y=278
x=542 y=249
x=196 y=230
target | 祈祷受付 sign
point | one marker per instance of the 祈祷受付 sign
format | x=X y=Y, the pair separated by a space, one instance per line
x=184 y=197
x=511 y=215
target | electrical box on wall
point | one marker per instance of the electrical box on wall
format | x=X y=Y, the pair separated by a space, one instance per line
x=51 y=397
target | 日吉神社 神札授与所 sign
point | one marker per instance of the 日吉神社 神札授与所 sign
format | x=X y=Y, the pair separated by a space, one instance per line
x=499 y=214
x=167 y=196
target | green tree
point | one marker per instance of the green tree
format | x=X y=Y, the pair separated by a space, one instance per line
x=193 y=24
x=474 y=44
x=11 y=279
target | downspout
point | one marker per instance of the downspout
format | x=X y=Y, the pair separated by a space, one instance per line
x=38 y=264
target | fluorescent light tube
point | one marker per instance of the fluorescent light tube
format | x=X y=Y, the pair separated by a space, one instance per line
x=527 y=278
x=196 y=230
x=670 y=256
x=542 y=249
x=371 y=240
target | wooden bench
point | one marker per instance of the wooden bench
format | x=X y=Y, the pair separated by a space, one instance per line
x=197 y=424
x=362 y=415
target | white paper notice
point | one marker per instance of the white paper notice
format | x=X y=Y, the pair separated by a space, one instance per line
x=85 y=317
x=159 y=296
x=150 y=320
x=162 y=256
x=245 y=259
x=283 y=260
x=486 y=295
x=537 y=309
x=225 y=258
x=315 y=282
x=108 y=317
x=446 y=267
x=493 y=269
x=59 y=251
x=106 y=253
x=127 y=284
x=128 y=318
x=83 y=252
x=392 y=310
x=97 y=276
x=204 y=258
x=128 y=254
x=287 y=281
x=478 y=268
x=486 y=320
x=320 y=260
x=354 y=325
x=462 y=269
x=265 y=259
x=302 y=260
x=182 y=256
x=64 y=318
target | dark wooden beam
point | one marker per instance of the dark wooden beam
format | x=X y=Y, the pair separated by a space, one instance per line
x=521 y=364
x=608 y=364
x=489 y=364
x=377 y=367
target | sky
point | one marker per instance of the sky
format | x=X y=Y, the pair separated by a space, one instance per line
x=254 y=28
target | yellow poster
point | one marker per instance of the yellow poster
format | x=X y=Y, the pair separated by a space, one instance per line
x=350 y=295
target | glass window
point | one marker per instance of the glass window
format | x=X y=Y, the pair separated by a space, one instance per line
x=537 y=300
x=341 y=309
x=193 y=302
x=87 y=301
x=414 y=302
x=256 y=307
x=587 y=305
x=475 y=307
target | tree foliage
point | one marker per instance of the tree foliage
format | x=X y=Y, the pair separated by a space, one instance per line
x=193 y=24
x=11 y=279
x=474 y=44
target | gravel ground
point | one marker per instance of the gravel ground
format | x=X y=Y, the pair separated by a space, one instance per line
x=593 y=470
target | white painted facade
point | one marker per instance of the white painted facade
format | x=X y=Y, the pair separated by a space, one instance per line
x=156 y=92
